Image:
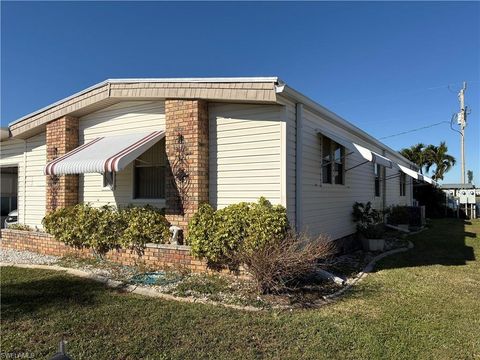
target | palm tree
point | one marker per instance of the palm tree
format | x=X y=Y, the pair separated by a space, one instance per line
x=437 y=155
x=416 y=154
x=470 y=176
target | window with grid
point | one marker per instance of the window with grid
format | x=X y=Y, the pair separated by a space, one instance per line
x=378 y=171
x=333 y=162
x=149 y=173
x=403 y=184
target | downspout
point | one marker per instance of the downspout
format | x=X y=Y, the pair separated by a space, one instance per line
x=298 y=166
x=24 y=192
x=384 y=185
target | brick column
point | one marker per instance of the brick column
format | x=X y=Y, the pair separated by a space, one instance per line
x=62 y=137
x=187 y=154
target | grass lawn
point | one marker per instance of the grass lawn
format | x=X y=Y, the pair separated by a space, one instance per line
x=423 y=304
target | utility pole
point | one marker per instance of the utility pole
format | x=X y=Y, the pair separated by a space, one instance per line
x=462 y=121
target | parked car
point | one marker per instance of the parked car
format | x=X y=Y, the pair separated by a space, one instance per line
x=12 y=218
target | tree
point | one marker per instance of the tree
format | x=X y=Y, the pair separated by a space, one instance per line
x=470 y=176
x=437 y=156
x=416 y=154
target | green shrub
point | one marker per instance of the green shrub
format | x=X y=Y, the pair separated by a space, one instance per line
x=143 y=225
x=84 y=226
x=63 y=225
x=106 y=228
x=200 y=234
x=266 y=223
x=219 y=235
x=367 y=218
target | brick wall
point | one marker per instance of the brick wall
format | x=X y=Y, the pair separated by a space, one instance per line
x=61 y=137
x=187 y=155
x=157 y=256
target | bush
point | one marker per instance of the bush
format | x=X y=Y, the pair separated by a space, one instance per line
x=83 y=226
x=106 y=228
x=398 y=215
x=432 y=198
x=143 y=225
x=365 y=216
x=266 y=223
x=219 y=235
x=200 y=229
x=277 y=265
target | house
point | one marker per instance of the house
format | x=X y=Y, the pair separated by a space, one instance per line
x=465 y=197
x=177 y=143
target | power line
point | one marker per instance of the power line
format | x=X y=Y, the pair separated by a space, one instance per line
x=412 y=91
x=416 y=129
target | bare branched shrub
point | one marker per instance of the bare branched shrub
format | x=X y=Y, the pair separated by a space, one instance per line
x=279 y=264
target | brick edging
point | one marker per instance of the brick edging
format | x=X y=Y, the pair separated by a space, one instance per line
x=155 y=255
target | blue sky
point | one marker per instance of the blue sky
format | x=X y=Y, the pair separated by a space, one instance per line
x=384 y=66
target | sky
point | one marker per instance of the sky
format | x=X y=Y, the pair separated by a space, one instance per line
x=387 y=67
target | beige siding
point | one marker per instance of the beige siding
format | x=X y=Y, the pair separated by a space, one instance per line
x=122 y=118
x=35 y=184
x=393 y=189
x=327 y=207
x=245 y=153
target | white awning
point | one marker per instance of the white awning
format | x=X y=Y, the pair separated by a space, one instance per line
x=372 y=156
x=104 y=154
x=365 y=153
x=416 y=175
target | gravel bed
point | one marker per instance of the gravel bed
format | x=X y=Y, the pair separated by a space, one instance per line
x=26 y=257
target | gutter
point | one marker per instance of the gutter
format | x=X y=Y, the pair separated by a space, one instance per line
x=298 y=166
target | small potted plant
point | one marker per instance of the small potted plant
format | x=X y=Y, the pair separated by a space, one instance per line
x=369 y=226
x=398 y=216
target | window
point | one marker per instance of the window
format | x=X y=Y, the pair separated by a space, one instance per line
x=326 y=160
x=109 y=180
x=378 y=170
x=339 y=158
x=149 y=173
x=333 y=162
x=403 y=184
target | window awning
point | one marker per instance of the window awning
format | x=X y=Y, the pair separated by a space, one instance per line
x=374 y=157
x=365 y=153
x=416 y=175
x=104 y=154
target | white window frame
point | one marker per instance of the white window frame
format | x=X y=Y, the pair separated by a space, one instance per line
x=332 y=162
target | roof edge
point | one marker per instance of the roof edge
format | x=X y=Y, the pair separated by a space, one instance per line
x=148 y=80
x=296 y=95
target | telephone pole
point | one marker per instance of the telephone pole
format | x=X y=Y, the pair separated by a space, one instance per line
x=462 y=121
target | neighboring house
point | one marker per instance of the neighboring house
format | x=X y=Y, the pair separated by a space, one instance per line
x=454 y=197
x=176 y=143
x=453 y=189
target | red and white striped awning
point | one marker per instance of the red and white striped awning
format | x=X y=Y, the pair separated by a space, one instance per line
x=104 y=154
